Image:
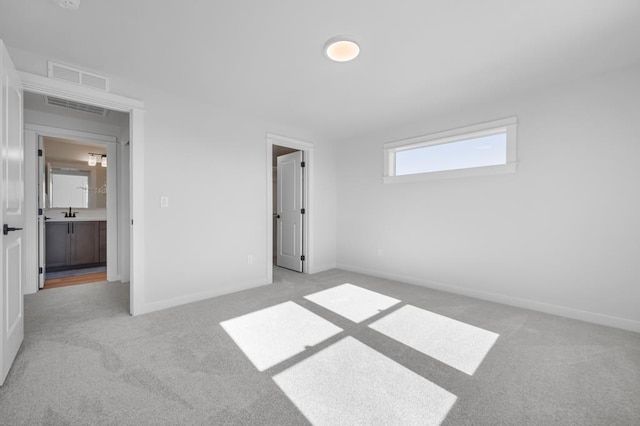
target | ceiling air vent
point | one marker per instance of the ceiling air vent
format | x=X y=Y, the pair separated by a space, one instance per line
x=77 y=106
x=77 y=76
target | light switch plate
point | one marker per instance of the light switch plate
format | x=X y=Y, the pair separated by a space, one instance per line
x=164 y=201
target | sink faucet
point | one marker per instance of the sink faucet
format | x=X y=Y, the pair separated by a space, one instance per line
x=69 y=213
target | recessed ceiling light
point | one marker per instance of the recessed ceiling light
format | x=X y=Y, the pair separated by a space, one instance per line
x=67 y=4
x=341 y=49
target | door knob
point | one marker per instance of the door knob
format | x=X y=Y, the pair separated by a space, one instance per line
x=6 y=229
x=277 y=216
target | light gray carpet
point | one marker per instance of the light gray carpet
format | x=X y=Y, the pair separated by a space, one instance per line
x=86 y=361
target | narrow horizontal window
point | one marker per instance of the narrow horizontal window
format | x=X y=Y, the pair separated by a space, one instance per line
x=487 y=148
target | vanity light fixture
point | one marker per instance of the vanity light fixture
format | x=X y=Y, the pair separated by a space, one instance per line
x=93 y=159
x=341 y=49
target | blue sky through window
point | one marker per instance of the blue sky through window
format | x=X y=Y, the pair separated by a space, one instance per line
x=477 y=152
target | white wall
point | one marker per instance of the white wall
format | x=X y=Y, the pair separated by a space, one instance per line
x=211 y=164
x=561 y=235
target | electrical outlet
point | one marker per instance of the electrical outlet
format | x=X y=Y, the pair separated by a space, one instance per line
x=164 y=201
x=250 y=259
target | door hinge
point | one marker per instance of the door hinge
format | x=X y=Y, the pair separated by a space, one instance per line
x=40 y=212
x=302 y=257
x=40 y=271
x=303 y=211
x=39 y=153
x=302 y=164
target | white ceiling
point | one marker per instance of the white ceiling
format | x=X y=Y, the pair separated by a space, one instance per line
x=265 y=57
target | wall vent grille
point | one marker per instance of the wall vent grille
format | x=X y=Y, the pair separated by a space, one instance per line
x=77 y=76
x=77 y=106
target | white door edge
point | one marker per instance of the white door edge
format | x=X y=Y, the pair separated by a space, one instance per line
x=41 y=243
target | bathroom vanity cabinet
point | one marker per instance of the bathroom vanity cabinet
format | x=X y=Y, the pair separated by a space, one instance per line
x=75 y=244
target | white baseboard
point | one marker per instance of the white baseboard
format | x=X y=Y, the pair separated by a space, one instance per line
x=196 y=297
x=322 y=268
x=592 y=317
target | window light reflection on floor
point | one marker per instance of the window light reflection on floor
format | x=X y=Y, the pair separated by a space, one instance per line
x=459 y=345
x=352 y=302
x=272 y=335
x=349 y=383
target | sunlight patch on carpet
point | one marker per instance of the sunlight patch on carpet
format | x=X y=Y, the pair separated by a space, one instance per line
x=275 y=334
x=457 y=344
x=352 y=302
x=349 y=383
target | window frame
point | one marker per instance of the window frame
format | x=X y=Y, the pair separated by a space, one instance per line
x=505 y=125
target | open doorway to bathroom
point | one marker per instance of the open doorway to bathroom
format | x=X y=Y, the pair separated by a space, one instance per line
x=73 y=180
x=79 y=176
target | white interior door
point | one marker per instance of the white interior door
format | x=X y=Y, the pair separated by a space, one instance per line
x=41 y=217
x=290 y=203
x=12 y=215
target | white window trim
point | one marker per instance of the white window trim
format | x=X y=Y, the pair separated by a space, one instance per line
x=508 y=125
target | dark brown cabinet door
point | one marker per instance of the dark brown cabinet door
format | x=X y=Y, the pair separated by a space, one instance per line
x=76 y=244
x=57 y=243
x=85 y=244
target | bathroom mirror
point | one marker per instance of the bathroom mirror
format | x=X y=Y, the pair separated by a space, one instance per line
x=76 y=185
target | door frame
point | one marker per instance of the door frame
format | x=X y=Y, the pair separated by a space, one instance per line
x=308 y=196
x=135 y=108
x=33 y=132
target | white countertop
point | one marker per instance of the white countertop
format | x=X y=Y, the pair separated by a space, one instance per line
x=76 y=219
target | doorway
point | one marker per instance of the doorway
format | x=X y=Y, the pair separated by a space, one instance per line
x=131 y=185
x=289 y=237
x=288 y=208
x=73 y=230
x=133 y=176
x=73 y=164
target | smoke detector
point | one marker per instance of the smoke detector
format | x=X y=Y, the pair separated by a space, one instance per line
x=67 y=4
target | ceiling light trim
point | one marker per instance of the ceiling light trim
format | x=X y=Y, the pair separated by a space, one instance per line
x=342 y=48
